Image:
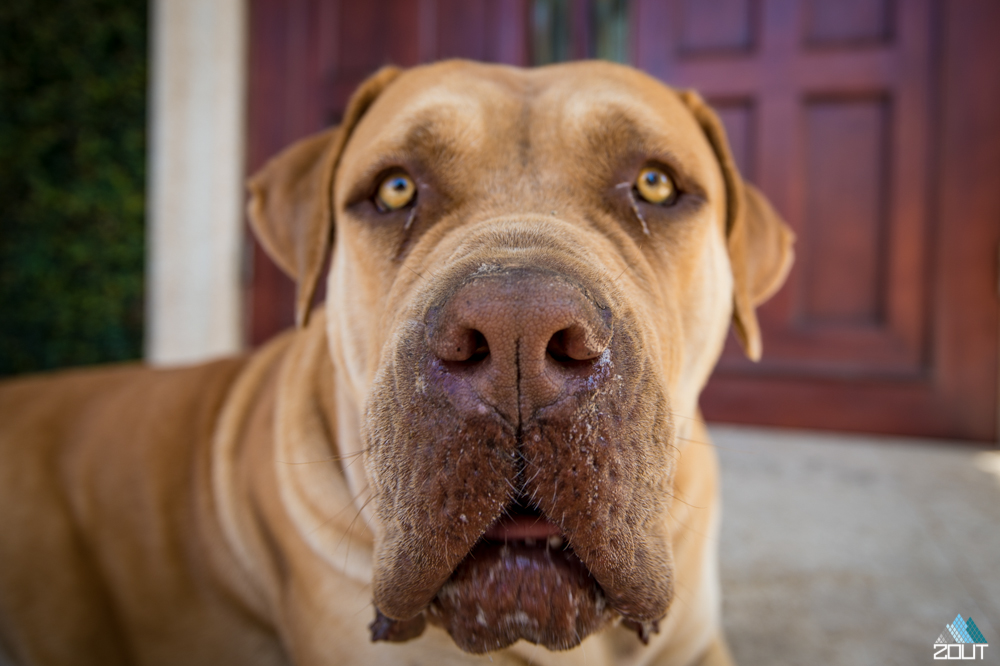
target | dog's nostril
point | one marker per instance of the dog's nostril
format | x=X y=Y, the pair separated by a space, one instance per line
x=572 y=344
x=467 y=346
x=480 y=348
x=557 y=347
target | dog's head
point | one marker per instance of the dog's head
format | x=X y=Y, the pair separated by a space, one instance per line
x=532 y=278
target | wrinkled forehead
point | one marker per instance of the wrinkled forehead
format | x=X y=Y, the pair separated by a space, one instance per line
x=503 y=113
x=580 y=97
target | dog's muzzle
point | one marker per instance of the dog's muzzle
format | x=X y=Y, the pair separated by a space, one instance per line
x=518 y=452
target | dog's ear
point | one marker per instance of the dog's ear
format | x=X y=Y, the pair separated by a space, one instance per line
x=760 y=243
x=291 y=197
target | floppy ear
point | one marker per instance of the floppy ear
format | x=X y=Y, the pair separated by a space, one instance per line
x=760 y=243
x=291 y=197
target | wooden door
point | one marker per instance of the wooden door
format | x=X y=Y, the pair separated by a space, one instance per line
x=870 y=124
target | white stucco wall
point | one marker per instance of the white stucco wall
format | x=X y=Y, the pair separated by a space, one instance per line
x=196 y=172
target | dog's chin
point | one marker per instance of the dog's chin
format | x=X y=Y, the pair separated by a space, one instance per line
x=521 y=581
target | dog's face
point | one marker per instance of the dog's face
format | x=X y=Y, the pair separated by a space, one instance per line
x=532 y=278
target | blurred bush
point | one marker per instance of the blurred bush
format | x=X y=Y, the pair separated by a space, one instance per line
x=72 y=181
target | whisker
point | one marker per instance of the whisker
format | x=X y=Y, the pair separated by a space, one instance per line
x=330 y=519
x=336 y=458
x=350 y=529
x=356 y=458
x=370 y=604
x=415 y=273
x=683 y=501
x=629 y=265
x=685 y=416
x=721 y=447
x=511 y=486
x=533 y=476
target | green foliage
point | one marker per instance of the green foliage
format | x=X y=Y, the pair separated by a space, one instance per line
x=72 y=181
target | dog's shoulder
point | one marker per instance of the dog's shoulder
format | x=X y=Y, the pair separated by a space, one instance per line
x=101 y=475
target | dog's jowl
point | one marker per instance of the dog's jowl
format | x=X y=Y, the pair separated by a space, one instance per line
x=487 y=440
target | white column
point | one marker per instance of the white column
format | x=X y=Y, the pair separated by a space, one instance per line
x=196 y=172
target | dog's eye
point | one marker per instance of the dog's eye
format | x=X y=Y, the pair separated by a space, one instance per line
x=655 y=186
x=395 y=192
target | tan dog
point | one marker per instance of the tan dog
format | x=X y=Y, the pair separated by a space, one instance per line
x=491 y=432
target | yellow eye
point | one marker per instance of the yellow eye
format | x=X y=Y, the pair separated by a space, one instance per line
x=396 y=191
x=655 y=186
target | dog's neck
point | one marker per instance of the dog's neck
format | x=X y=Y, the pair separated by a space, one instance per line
x=244 y=432
x=298 y=476
x=321 y=482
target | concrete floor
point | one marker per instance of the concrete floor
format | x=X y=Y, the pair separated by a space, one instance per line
x=842 y=549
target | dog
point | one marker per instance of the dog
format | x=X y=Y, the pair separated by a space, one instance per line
x=486 y=442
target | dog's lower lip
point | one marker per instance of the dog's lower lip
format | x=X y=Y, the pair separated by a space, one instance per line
x=520 y=527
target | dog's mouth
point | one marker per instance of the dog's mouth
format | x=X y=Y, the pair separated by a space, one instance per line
x=522 y=525
x=520 y=580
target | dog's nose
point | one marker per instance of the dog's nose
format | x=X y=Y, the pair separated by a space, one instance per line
x=518 y=336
